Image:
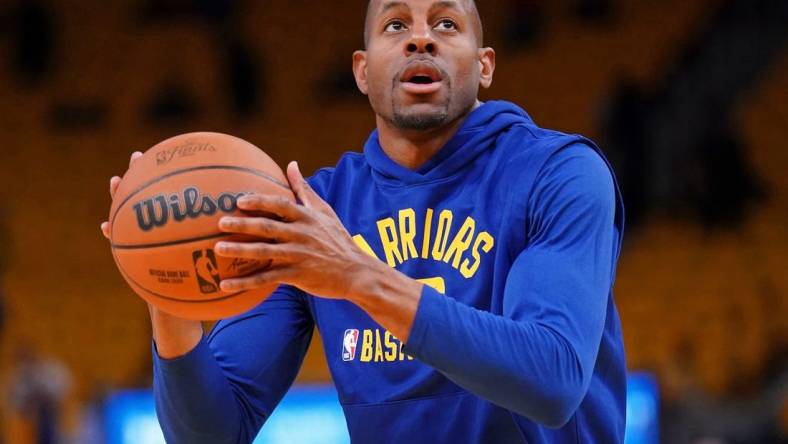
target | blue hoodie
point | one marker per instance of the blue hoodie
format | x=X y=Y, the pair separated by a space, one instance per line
x=515 y=230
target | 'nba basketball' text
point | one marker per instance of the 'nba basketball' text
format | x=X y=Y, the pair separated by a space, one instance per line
x=376 y=345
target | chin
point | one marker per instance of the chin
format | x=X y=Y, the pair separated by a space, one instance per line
x=420 y=122
x=422 y=116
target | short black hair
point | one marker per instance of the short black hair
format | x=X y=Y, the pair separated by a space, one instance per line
x=476 y=22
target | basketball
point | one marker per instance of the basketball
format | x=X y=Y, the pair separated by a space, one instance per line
x=164 y=222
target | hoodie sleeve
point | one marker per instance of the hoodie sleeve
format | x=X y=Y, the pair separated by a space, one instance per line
x=537 y=358
x=227 y=386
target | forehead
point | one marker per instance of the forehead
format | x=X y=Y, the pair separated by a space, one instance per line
x=377 y=7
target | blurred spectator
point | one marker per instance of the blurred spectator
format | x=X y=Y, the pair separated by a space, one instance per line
x=92 y=427
x=526 y=23
x=691 y=416
x=723 y=183
x=172 y=103
x=35 y=392
x=34 y=35
x=242 y=73
x=625 y=142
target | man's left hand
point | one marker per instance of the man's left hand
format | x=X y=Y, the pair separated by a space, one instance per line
x=307 y=244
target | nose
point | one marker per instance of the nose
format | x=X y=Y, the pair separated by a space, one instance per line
x=420 y=44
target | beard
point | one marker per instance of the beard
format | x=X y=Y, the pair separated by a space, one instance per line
x=423 y=120
x=420 y=121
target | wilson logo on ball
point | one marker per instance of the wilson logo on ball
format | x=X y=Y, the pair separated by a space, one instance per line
x=158 y=210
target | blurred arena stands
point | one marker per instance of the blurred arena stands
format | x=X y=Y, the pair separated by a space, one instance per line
x=688 y=98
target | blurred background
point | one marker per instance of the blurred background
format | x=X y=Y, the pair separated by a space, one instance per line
x=687 y=98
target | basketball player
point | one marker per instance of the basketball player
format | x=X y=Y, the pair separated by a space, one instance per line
x=459 y=270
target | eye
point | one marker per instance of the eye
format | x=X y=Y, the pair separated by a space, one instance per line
x=446 y=25
x=394 y=26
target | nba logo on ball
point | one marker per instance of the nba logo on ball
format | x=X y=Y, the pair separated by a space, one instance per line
x=206 y=270
x=349 y=344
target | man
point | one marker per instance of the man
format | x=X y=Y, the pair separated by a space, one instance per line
x=459 y=270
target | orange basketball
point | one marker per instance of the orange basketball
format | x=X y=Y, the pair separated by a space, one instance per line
x=164 y=222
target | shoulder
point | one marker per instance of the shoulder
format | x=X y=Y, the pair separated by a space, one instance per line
x=579 y=166
x=533 y=158
x=575 y=181
x=558 y=174
x=527 y=140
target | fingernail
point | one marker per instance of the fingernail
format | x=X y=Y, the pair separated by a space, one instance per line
x=226 y=285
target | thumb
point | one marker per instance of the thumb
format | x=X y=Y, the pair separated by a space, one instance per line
x=303 y=192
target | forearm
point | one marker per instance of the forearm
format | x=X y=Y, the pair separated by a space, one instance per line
x=522 y=366
x=225 y=387
x=194 y=401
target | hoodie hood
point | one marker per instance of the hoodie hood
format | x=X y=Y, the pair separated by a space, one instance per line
x=477 y=134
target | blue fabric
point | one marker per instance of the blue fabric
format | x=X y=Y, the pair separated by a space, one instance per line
x=516 y=230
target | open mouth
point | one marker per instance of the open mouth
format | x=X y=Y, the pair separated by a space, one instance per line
x=420 y=80
x=421 y=73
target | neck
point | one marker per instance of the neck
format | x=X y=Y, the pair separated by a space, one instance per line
x=411 y=148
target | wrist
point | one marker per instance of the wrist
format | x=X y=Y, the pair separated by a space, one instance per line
x=174 y=336
x=390 y=297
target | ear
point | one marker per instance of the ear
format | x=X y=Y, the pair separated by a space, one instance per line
x=360 y=70
x=486 y=67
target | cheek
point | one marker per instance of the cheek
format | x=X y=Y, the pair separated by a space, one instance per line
x=376 y=80
x=379 y=81
x=468 y=72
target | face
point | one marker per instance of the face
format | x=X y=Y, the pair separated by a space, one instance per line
x=423 y=67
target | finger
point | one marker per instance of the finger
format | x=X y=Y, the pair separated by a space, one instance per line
x=302 y=190
x=105 y=229
x=134 y=156
x=279 y=253
x=280 y=206
x=114 y=183
x=273 y=275
x=259 y=227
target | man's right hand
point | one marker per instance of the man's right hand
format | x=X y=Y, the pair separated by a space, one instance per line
x=174 y=336
x=114 y=183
